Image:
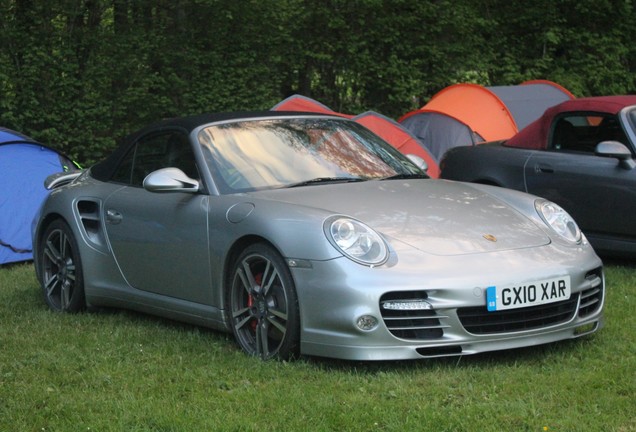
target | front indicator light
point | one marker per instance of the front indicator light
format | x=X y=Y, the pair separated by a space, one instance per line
x=415 y=304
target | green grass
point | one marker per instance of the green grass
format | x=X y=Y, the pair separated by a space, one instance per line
x=122 y=371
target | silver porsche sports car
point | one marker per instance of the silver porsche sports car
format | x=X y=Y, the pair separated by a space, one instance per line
x=307 y=234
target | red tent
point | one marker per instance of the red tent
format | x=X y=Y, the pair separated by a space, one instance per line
x=400 y=138
x=389 y=130
x=303 y=103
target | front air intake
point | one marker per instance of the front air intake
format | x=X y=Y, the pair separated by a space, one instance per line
x=478 y=320
x=407 y=315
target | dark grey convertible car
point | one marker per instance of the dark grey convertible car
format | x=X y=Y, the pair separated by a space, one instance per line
x=307 y=234
x=579 y=154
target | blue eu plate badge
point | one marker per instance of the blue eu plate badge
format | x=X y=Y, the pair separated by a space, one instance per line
x=491 y=298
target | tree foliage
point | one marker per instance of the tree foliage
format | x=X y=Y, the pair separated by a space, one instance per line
x=78 y=74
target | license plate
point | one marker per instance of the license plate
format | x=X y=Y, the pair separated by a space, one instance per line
x=528 y=294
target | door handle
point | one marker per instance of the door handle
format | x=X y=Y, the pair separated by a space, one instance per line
x=542 y=168
x=113 y=216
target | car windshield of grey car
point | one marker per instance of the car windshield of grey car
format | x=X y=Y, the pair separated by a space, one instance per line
x=269 y=154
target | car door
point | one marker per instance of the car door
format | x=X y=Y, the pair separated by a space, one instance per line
x=599 y=192
x=160 y=240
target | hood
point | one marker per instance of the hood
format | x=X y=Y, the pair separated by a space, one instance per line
x=436 y=217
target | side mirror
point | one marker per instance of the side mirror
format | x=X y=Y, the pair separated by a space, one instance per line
x=615 y=149
x=418 y=161
x=170 y=180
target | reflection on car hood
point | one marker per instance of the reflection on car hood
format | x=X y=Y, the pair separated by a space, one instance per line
x=437 y=217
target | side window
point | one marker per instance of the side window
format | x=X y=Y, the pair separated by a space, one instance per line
x=155 y=152
x=123 y=174
x=582 y=132
x=180 y=155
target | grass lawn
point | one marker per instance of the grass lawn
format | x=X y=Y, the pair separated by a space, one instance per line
x=123 y=371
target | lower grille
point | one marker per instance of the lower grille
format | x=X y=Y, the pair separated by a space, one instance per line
x=477 y=320
x=439 y=351
x=411 y=324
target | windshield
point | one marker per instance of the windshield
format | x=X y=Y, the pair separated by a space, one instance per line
x=283 y=152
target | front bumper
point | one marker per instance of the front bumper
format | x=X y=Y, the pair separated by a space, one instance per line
x=334 y=294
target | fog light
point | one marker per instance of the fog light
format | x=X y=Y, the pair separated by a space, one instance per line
x=367 y=322
x=414 y=304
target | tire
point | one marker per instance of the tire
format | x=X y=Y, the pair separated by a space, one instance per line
x=61 y=269
x=263 y=305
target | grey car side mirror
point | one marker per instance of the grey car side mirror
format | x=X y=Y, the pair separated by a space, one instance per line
x=170 y=180
x=616 y=150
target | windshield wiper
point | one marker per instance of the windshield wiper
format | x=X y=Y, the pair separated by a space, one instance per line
x=405 y=176
x=322 y=180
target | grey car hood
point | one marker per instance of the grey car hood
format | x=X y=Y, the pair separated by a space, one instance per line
x=437 y=217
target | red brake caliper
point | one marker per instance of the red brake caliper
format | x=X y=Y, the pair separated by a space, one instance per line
x=258 y=278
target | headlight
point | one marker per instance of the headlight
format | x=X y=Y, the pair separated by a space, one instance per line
x=356 y=240
x=559 y=220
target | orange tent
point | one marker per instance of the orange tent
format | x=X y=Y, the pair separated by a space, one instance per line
x=467 y=114
x=477 y=107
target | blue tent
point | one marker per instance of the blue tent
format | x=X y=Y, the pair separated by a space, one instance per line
x=24 y=165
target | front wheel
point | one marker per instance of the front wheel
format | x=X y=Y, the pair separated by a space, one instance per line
x=263 y=305
x=61 y=269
